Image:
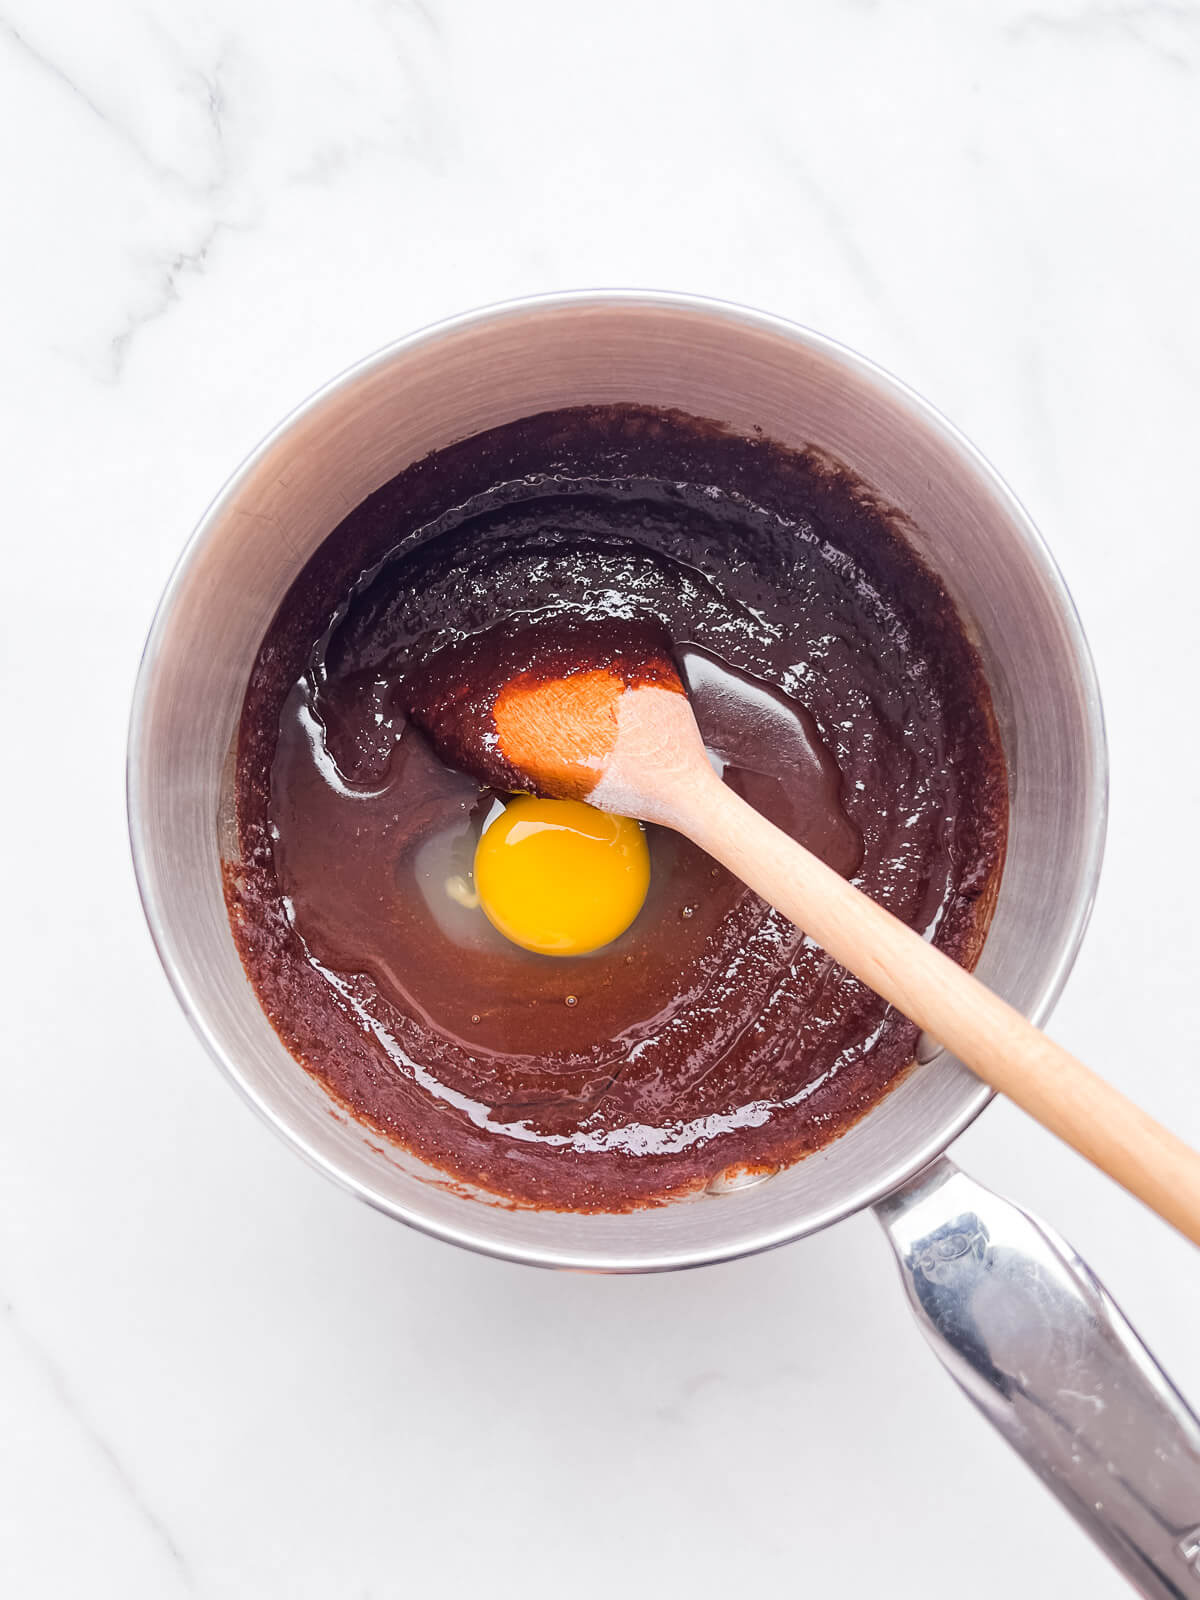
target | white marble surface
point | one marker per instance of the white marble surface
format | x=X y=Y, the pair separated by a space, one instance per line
x=219 y=1375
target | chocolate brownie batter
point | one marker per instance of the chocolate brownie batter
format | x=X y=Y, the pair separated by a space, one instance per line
x=835 y=689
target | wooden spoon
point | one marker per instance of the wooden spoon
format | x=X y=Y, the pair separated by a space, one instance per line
x=620 y=733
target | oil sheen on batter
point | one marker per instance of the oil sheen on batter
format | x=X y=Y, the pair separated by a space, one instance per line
x=834 y=687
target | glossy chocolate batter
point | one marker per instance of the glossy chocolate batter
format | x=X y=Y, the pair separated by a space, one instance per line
x=832 y=683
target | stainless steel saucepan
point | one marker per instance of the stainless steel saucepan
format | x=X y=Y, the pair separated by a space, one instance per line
x=1015 y=1315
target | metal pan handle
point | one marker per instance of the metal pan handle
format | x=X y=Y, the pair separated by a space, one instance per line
x=1029 y=1334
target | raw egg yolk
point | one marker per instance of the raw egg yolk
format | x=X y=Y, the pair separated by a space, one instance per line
x=560 y=877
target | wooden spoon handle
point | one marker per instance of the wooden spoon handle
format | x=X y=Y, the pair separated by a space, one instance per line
x=983 y=1031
